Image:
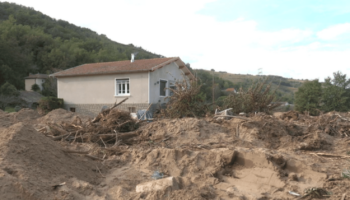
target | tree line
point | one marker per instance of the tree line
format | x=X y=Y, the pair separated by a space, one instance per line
x=315 y=97
x=31 y=42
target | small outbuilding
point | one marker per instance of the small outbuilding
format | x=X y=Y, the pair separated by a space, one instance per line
x=32 y=79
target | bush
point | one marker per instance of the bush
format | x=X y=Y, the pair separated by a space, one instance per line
x=50 y=87
x=47 y=104
x=35 y=87
x=186 y=101
x=256 y=99
x=8 y=89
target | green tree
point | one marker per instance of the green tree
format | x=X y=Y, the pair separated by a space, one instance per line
x=8 y=95
x=336 y=94
x=308 y=97
x=8 y=89
x=50 y=87
x=35 y=87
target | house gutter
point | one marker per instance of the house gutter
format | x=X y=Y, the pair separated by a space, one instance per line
x=106 y=73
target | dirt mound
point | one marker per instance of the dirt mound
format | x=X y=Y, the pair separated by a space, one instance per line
x=60 y=115
x=185 y=132
x=6 y=120
x=217 y=173
x=25 y=115
x=31 y=163
x=260 y=157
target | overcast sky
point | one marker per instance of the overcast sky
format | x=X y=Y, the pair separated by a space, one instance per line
x=303 y=39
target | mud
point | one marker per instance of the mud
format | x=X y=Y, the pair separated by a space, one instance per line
x=263 y=157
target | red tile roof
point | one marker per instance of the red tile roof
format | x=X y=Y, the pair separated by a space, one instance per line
x=230 y=90
x=124 y=66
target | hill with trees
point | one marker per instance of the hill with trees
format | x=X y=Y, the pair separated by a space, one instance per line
x=32 y=42
x=285 y=87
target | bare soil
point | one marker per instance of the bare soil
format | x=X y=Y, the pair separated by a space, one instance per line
x=261 y=157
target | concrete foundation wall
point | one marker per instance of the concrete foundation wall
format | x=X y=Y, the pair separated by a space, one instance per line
x=93 y=109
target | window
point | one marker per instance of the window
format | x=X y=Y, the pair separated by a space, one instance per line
x=123 y=87
x=162 y=87
x=72 y=109
x=132 y=109
x=171 y=86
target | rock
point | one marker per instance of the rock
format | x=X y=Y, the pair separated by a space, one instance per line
x=212 y=181
x=293 y=177
x=231 y=190
x=161 y=184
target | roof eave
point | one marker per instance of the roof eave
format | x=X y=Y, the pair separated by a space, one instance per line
x=95 y=74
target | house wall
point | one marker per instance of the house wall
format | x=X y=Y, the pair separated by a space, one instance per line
x=88 y=94
x=28 y=84
x=171 y=73
x=39 y=82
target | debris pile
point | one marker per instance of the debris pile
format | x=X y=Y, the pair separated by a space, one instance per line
x=63 y=155
x=107 y=127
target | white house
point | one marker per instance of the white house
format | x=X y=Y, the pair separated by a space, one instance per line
x=87 y=88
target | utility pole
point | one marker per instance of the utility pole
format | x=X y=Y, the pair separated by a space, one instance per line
x=213 y=86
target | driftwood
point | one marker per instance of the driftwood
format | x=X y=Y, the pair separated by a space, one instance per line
x=56 y=130
x=60 y=137
x=74 y=151
x=330 y=155
x=343 y=196
x=238 y=117
x=93 y=157
x=105 y=112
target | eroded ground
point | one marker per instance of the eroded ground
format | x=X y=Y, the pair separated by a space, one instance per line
x=259 y=157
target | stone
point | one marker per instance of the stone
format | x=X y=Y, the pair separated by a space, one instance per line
x=293 y=177
x=161 y=184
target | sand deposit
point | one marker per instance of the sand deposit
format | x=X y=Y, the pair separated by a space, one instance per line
x=260 y=157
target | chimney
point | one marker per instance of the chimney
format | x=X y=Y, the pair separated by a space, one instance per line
x=132 y=57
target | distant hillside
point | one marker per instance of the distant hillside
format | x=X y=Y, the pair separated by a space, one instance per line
x=31 y=42
x=286 y=86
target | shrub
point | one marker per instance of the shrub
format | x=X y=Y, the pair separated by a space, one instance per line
x=256 y=99
x=8 y=89
x=186 y=101
x=47 y=104
x=35 y=87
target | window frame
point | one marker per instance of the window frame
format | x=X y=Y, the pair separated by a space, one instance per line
x=172 y=85
x=116 y=89
x=166 y=86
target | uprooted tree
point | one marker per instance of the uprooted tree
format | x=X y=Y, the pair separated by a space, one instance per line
x=257 y=98
x=186 y=100
x=109 y=127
